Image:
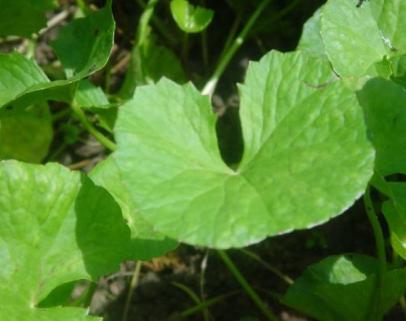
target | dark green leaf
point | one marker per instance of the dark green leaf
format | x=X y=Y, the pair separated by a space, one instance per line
x=342 y=288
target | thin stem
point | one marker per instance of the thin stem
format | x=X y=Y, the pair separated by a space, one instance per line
x=87 y=299
x=185 y=48
x=229 y=54
x=274 y=270
x=83 y=7
x=131 y=79
x=205 y=50
x=381 y=253
x=81 y=116
x=231 y=34
x=133 y=285
x=142 y=32
x=247 y=287
x=194 y=297
x=204 y=44
x=160 y=26
x=203 y=305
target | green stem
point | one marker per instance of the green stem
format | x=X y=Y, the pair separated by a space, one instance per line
x=381 y=254
x=231 y=34
x=229 y=54
x=202 y=306
x=185 y=48
x=274 y=270
x=136 y=66
x=143 y=25
x=133 y=285
x=83 y=7
x=81 y=116
x=205 y=50
x=160 y=26
x=247 y=287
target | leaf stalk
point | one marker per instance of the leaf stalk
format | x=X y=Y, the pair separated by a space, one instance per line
x=247 y=287
x=381 y=254
x=229 y=54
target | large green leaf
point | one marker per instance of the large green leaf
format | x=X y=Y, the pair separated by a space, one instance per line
x=23 y=17
x=25 y=134
x=190 y=18
x=306 y=156
x=342 y=288
x=57 y=226
x=146 y=243
x=22 y=83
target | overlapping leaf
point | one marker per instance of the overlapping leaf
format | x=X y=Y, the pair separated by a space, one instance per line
x=57 y=226
x=311 y=40
x=384 y=104
x=356 y=37
x=146 y=243
x=92 y=38
x=306 y=156
x=342 y=288
x=22 y=83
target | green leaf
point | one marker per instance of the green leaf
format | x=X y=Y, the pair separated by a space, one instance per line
x=306 y=157
x=310 y=40
x=384 y=105
x=342 y=288
x=26 y=134
x=23 y=17
x=399 y=70
x=146 y=243
x=189 y=18
x=22 y=83
x=352 y=38
x=149 y=63
x=88 y=95
x=17 y=74
x=49 y=236
x=395 y=214
x=390 y=16
x=92 y=38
